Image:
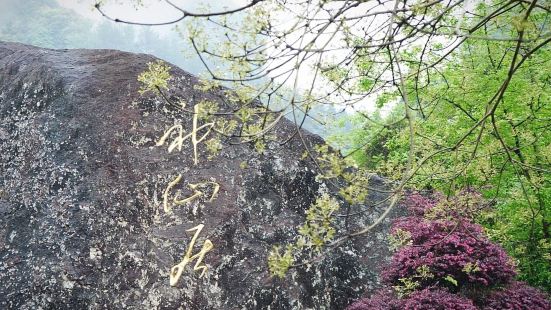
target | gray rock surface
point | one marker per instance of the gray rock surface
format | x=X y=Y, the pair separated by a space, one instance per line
x=81 y=185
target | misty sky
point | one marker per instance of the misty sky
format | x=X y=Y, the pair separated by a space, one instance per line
x=151 y=11
x=76 y=24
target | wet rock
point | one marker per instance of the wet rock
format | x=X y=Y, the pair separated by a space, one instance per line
x=81 y=192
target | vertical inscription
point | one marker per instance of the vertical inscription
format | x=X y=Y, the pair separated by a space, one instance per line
x=178 y=142
x=177 y=270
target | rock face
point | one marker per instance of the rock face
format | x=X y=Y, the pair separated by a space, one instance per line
x=81 y=192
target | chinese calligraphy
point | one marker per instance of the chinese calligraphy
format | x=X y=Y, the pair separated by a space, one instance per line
x=180 y=138
x=196 y=192
x=199 y=190
x=177 y=270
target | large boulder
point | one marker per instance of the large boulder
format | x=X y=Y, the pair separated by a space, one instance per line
x=82 y=224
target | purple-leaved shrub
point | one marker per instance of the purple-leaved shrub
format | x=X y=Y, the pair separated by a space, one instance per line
x=426 y=299
x=418 y=204
x=438 y=299
x=444 y=261
x=458 y=251
x=383 y=299
x=516 y=296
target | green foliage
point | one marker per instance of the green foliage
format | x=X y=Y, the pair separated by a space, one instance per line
x=470 y=268
x=506 y=155
x=513 y=224
x=314 y=234
x=399 y=239
x=318 y=228
x=333 y=166
x=207 y=110
x=225 y=127
x=278 y=263
x=214 y=146
x=370 y=142
x=410 y=284
x=500 y=157
x=451 y=279
x=156 y=78
x=406 y=287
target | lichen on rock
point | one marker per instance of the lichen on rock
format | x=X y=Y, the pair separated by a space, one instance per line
x=82 y=224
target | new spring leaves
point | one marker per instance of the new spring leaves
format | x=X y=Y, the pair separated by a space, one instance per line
x=155 y=79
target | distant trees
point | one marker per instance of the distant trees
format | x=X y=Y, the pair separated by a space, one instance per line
x=42 y=23
x=45 y=23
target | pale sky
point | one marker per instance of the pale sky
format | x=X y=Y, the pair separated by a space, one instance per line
x=159 y=11
x=151 y=11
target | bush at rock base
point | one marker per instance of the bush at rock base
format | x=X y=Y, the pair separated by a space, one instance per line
x=447 y=262
x=456 y=251
x=516 y=296
x=428 y=299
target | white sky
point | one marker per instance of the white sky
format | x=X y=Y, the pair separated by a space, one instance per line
x=159 y=11
x=151 y=11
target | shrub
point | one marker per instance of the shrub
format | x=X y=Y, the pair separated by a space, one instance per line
x=446 y=262
x=517 y=296
x=417 y=204
x=429 y=299
x=455 y=253
x=382 y=300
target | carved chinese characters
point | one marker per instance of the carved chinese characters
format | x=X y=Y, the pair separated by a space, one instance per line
x=177 y=270
x=199 y=190
x=205 y=189
x=180 y=138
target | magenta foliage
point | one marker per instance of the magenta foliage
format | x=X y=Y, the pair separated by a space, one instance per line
x=517 y=296
x=463 y=265
x=382 y=300
x=449 y=249
x=436 y=300
x=428 y=299
x=417 y=204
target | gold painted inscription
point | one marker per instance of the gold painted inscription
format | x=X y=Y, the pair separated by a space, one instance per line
x=178 y=141
x=177 y=270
